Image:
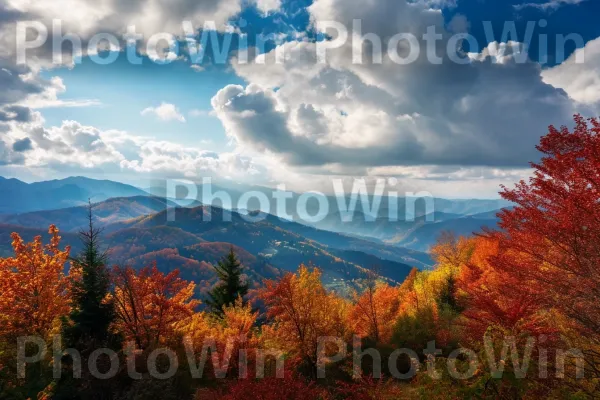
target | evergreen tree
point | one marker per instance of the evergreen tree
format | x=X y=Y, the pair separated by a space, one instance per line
x=230 y=287
x=87 y=327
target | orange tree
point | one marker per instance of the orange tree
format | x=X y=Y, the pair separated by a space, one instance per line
x=33 y=286
x=302 y=311
x=150 y=304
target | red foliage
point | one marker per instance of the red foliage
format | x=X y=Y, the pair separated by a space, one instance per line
x=496 y=298
x=149 y=304
x=551 y=239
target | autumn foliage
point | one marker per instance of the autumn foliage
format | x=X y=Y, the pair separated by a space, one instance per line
x=34 y=289
x=536 y=278
x=303 y=311
x=150 y=305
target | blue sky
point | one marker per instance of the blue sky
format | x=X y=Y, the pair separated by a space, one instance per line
x=457 y=131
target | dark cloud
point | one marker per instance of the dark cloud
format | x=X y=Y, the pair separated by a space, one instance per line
x=15 y=113
x=22 y=145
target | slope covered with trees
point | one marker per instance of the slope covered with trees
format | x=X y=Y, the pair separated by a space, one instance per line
x=510 y=313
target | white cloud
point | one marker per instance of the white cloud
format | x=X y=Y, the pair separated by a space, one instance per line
x=200 y=113
x=70 y=144
x=49 y=97
x=267 y=6
x=75 y=148
x=176 y=160
x=489 y=112
x=579 y=75
x=550 y=5
x=164 y=112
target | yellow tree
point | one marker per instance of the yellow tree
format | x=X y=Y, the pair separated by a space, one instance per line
x=33 y=286
x=302 y=311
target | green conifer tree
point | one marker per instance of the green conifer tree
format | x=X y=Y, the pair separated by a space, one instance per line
x=230 y=287
x=88 y=325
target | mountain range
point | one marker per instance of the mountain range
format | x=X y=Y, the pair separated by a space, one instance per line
x=19 y=196
x=140 y=228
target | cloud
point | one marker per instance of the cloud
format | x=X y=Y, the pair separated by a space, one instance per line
x=73 y=148
x=579 y=75
x=488 y=112
x=86 y=18
x=165 y=112
x=22 y=145
x=173 y=159
x=15 y=113
x=548 y=6
x=71 y=143
x=8 y=156
x=49 y=97
x=200 y=113
x=267 y=6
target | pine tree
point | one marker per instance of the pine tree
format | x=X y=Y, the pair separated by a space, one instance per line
x=87 y=327
x=92 y=314
x=230 y=287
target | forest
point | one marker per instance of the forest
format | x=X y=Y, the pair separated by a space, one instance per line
x=507 y=313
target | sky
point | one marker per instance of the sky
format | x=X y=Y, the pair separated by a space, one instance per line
x=457 y=118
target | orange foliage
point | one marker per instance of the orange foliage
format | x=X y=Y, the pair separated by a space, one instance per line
x=374 y=313
x=302 y=311
x=497 y=299
x=33 y=286
x=150 y=304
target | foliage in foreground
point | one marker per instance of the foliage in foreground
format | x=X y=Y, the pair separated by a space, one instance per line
x=531 y=287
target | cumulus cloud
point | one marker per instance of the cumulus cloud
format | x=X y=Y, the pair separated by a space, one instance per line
x=49 y=97
x=8 y=156
x=175 y=160
x=71 y=143
x=165 y=112
x=488 y=111
x=579 y=75
x=15 y=113
x=22 y=145
x=268 y=5
x=87 y=17
x=74 y=147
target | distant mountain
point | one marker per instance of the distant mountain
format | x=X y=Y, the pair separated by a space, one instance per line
x=20 y=197
x=381 y=228
x=106 y=212
x=422 y=238
x=342 y=241
x=192 y=242
x=161 y=245
x=269 y=242
x=489 y=214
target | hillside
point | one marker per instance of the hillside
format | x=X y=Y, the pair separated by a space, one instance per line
x=106 y=212
x=270 y=243
x=23 y=197
x=141 y=233
x=114 y=214
x=422 y=238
